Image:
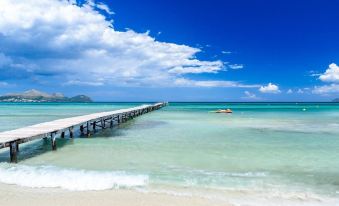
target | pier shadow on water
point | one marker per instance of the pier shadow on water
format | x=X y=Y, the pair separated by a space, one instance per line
x=121 y=130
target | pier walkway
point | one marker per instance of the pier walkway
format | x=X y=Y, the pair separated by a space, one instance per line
x=87 y=125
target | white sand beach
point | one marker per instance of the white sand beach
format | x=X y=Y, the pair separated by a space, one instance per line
x=14 y=196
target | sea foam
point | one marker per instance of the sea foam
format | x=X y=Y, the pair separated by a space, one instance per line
x=70 y=179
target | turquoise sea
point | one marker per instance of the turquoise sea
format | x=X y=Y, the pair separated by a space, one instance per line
x=263 y=153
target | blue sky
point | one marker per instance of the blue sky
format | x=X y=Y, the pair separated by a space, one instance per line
x=124 y=50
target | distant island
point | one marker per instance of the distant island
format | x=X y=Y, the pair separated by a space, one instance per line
x=336 y=100
x=38 y=96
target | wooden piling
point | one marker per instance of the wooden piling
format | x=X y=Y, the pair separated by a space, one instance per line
x=71 y=132
x=87 y=127
x=102 y=122
x=17 y=146
x=82 y=129
x=94 y=125
x=53 y=140
x=13 y=152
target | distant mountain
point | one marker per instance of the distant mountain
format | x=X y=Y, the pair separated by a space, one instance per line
x=80 y=98
x=336 y=100
x=38 y=96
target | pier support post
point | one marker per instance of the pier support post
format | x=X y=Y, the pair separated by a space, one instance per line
x=17 y=146
x=102 y=122
x=111 y=123
x=13 y=152
x=87 y=127
x=94 y=125
x=71 y=132
x=62 y=135
x=82 y=130
x=53 y=139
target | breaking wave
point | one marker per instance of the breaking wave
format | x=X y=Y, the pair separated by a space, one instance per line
x=70 y=179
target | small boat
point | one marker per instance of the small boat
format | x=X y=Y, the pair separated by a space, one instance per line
x=228 y=111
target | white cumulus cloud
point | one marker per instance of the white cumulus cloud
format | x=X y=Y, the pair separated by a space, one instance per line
x=249 y=95
x=105 y=8
x=76 y=44
x=331 y=74
x=300 y=91
x=226 y=52
x=270 y=88
x=236 y=66
x=326 y=89
x=206 y=83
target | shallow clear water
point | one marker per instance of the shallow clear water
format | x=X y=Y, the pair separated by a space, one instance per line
x=273 y=149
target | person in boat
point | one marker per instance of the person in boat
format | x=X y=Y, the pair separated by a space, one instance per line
x=224 y=111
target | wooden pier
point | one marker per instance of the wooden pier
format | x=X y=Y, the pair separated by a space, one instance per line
x=87 y=124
